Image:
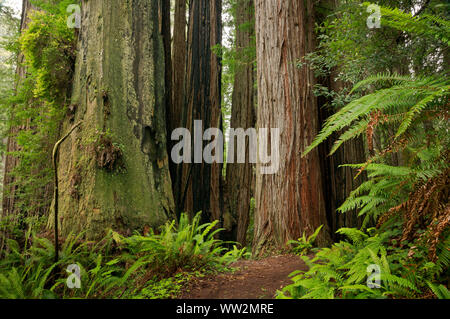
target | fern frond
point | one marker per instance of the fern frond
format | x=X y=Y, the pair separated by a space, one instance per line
x=439 y=290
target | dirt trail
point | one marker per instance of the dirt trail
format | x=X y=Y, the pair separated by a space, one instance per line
x=254 y=279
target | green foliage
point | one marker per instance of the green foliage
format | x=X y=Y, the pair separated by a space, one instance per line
x=404 y=101
x=303 y=245
x=402 y=104
x=426 y=25
x=29 y=272
x=54 y=7
x=235 y=254
x=440 y=291
x=48 y=48
x=165 y=288
x=343 y=271
x=188 y=246
x=39 y=103
x=403 y=41
x=151 y=266
x=404 y=107
x=402 y=117
x=8 y=34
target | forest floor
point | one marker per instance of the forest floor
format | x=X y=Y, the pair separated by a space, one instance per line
x=252 y=279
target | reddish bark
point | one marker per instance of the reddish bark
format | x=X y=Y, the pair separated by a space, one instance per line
x=291 y=201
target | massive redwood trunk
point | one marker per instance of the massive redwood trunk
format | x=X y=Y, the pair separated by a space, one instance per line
x=201 y=186
x=168 y=98
x=176 y=108
x=292 y=200
x=240 y=175
x=114 y=169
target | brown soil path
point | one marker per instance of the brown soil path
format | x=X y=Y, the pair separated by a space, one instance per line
x=254 y=279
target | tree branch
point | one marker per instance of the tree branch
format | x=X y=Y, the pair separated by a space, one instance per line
x=56 y=191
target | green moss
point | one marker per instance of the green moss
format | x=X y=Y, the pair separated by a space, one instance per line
x=119 y=89
x=48 y=48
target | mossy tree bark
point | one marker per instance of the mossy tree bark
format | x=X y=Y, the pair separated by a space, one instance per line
x=291 y=201
x=114 y=168
x=240 y=175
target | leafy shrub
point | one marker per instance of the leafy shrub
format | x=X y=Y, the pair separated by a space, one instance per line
x=342 y=270
x=304 y=245
x=38 y=104
x=408 y=202
x=115 y=267
x=188 y=246
x=165 y=288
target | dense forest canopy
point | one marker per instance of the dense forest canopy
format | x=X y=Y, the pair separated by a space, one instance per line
x=144 y=144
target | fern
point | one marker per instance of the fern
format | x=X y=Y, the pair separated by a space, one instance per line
x=439 y=290
x=342 y=270
x=407 y=99
x=406 y=116
x=303 y=245
x=426 y=25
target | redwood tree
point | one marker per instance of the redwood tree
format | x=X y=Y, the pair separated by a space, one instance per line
x=10 y=188
x=338 y=181
x=291 y=201
x=240 y=175
x=27 y=186
x=176 y=107
x=114 y=169
x=201 y=182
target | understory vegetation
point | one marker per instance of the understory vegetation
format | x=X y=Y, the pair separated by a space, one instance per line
x=36 y=105
x=141 y=266
x=407 y=253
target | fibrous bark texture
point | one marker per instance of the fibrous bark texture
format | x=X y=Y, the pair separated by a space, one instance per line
x=114 y=169
x=340 y=181
x=176 y=109
x=202 y=181
x=240 y=175
x=291 y=201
